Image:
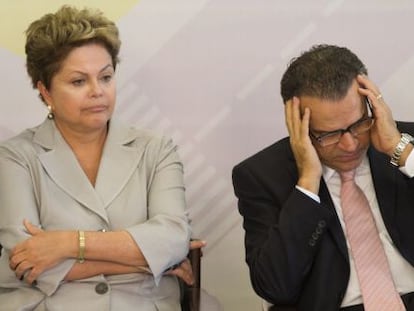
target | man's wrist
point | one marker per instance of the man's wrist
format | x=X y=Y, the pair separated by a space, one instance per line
x=310 y=183
x=310 y=194
x=401 y=152
x=407 y=151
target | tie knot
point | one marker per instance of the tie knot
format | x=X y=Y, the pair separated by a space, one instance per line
x=347 y=176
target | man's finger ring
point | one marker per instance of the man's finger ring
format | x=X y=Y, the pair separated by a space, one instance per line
x=379 y=96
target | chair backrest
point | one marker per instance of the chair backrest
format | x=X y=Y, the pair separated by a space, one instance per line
x=191 y=293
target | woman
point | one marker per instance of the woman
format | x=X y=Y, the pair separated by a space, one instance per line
x=92 y=211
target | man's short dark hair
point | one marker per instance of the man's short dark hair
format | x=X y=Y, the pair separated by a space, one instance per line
x=324 y=71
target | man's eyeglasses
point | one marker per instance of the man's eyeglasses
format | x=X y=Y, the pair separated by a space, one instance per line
x=359 y=127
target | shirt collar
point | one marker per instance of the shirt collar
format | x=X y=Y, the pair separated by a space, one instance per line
x=362 y=169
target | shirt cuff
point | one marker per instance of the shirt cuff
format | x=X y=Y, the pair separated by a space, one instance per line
x=408 y=169
x=309 y=194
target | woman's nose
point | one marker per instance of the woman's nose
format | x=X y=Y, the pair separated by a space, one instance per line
x=95 y=88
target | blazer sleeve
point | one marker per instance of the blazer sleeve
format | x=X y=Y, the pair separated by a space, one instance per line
x=164 y=237
x=283 y=230
x=18 y=202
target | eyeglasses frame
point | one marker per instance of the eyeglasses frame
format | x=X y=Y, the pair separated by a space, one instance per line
x=320 y=138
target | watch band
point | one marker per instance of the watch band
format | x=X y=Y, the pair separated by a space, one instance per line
x=399 y=149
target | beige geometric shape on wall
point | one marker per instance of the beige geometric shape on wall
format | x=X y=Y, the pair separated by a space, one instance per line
x=16 y=15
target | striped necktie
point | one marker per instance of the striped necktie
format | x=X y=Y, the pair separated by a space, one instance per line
x=373 y=271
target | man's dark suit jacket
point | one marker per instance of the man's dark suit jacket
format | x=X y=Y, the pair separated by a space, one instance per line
x=295 y=247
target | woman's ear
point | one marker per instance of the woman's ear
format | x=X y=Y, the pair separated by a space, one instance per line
x=44 y=92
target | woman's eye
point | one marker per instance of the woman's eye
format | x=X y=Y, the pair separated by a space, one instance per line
x=78 y=82
x=107 y=78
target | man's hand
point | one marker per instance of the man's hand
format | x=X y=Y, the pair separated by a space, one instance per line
x=307 y=160
x=384 y=133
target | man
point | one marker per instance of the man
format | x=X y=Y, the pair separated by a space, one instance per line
x=292 y=197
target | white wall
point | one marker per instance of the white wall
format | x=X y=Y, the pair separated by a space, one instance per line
x=207 y=72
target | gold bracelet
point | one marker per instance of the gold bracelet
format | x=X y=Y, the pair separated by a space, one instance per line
x=81 y=256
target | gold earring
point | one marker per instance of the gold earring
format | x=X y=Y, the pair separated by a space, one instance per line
x=50 y=115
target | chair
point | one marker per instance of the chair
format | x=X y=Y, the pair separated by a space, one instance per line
x=190 y=294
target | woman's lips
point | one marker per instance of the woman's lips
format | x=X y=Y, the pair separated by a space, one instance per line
x=96 y=108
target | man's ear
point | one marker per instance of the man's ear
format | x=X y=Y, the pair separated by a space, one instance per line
x=44 y=92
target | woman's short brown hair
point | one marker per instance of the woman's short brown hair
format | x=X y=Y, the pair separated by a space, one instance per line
x=52 y=37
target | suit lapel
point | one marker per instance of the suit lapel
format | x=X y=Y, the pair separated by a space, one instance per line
x=119 y=161
x=384 y=180
x=64 y=169
x=335 y=228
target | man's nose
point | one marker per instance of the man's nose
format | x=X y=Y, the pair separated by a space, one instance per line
x=348 y=142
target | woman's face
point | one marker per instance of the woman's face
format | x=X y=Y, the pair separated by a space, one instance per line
x=82 y=93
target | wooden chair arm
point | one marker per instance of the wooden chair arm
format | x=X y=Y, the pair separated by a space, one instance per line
x=191 y=293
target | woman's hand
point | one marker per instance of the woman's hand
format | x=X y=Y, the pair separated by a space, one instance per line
x=43 y=250
x=184 y=270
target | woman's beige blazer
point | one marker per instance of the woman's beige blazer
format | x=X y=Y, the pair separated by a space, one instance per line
x=139 y=188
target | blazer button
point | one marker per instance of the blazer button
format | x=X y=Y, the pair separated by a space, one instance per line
x=322 y=224
x=101 y=288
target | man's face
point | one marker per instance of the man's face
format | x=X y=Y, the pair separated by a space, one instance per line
x=327 y=116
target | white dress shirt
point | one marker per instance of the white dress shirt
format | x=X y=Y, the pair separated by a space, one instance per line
x=402 y=271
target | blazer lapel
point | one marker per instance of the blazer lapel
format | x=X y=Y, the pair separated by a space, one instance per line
x=384 y=180
x=64 y=169
x=335 y=228
x=119 y=161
